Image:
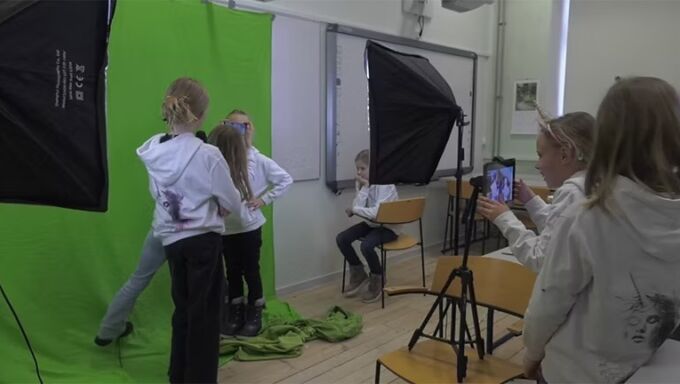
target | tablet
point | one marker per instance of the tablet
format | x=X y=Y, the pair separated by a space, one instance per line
x=499 y=180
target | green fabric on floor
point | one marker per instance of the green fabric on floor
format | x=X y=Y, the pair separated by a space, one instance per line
x=284 y=337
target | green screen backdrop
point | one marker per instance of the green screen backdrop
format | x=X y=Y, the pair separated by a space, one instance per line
x=60 y=267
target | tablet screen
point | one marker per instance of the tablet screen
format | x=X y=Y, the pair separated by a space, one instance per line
x=498 y=182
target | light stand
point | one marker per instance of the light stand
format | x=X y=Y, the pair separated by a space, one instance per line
x=460 y=123
x=467 y=295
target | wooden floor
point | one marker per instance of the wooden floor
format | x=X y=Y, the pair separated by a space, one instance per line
x=385 y=330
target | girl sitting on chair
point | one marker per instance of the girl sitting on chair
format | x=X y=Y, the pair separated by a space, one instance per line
x=365 y=205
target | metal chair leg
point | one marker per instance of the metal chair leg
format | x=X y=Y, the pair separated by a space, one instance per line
x=344 y=269
x=377 y=372
x=489 y=331
x=384 y=266
x=422 y=251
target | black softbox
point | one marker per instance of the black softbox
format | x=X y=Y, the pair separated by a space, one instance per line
x=52 y=103
x=412 y=112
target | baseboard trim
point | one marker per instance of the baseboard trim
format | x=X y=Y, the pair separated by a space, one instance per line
x=337 y=275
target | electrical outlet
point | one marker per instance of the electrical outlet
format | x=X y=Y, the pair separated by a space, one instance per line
x=418 y=7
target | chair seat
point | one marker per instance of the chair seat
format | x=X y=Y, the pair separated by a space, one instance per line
x=435 y=362
x=516 y=328
x=404 y=241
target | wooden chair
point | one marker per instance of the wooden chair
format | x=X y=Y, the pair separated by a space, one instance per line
x=449 y=225
x=499 y=285
x=398 y=212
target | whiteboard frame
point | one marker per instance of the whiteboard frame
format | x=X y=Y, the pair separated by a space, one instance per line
x=331 y=100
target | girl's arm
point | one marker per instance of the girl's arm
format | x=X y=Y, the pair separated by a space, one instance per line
x=278 y=179
x=538 y=211
x=525 y=245
x=385 y=193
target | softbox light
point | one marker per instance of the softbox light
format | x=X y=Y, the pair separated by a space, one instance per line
x=52 y=103
x=412 y=112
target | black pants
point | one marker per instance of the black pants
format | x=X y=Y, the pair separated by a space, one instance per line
x=242 y=257
x=197 y=277
x=372 y=237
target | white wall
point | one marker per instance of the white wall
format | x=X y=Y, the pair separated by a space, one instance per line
x=472 y=30
x=619 y=38
x=308 y=218
x=531 y=53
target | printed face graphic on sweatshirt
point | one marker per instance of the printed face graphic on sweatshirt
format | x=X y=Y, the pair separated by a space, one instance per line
x=650 y=318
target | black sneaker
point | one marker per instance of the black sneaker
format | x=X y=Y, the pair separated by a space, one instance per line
x=253 y=323
x=104 y=342
x=235 y=318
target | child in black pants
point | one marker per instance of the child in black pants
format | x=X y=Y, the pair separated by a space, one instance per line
x=365 y=205
x=191 y=184
x=264 y=181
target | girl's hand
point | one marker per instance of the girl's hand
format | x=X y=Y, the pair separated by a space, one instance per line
x=490 y=209
x=362 y=182
x=256 y=204
x=522 y=192
x=349 y=212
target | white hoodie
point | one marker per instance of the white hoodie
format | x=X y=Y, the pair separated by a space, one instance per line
x=268 y=182
x=526 y=246
x=267 y=179
x=367 y=202
x=609 y=293
x=188 y=179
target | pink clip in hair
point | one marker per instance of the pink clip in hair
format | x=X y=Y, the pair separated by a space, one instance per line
x=543 y=118
x=562 y=138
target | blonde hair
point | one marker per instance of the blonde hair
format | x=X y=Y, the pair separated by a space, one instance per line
x=185 y=102
x=363 y=156
x=232 y=144
x=238 y=112
x=638 y=136
x=574 y=131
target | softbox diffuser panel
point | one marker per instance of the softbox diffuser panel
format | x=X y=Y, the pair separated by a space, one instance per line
x=412 y=112
x=52 y=103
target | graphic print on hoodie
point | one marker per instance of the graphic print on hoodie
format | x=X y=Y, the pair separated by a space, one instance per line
x=191 y=184
x=173 y=204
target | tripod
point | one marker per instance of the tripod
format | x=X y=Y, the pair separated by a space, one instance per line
x=467 y=295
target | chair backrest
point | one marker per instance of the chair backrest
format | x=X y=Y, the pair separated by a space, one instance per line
x=401 y=211
x=465 y=189
x=499 y=284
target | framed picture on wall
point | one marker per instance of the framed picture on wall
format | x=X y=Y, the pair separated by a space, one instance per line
x=526 y=95
x=524 y=107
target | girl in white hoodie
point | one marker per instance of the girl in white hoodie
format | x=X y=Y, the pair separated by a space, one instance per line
x=564 y=146
x=366 y=205
x=608 y=295
x=243 y=238
x=193 y=191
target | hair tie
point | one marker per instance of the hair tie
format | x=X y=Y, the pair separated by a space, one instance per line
x=242 y=128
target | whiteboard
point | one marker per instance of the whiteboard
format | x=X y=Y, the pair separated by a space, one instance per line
x=297 y=96
x=347 y=127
